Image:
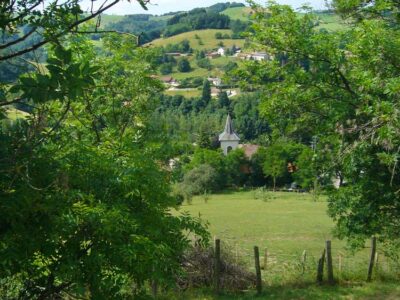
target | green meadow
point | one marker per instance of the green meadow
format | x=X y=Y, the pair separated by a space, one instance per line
x=285 y=224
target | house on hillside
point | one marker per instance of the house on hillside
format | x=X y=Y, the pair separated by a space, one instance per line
x=215 y=91
x=221 y=51
x=212 y=55
x=258 y=56
x=170 y=81
x=216 y=81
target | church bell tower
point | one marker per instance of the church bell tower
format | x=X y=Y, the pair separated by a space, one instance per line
x=229 y=139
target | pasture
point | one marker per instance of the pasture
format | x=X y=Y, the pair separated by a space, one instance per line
x=287 y=224
x=206 y=39
x=284 y=223
x=238 y=13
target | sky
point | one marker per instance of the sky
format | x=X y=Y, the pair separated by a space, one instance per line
x=158 y=7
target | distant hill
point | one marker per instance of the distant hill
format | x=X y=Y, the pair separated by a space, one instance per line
x=199 y=39
x=238 y=13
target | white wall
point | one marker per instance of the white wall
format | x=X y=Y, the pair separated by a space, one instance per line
x=226 y=144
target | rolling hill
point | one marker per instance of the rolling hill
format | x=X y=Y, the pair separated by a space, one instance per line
x=238 y=13
x=206 y=39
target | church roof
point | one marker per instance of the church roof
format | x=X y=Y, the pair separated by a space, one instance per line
x=229 y=134
x=249 y=149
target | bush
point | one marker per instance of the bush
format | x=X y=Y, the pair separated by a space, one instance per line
x=204 y=63
x=218 y=35
x=199 y=181
x=166 y=68
x=184 y=65
x=198 y=265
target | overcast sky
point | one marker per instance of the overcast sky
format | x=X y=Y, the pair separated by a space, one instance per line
x=163 y=6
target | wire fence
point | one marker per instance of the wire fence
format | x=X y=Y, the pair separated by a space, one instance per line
x=303 y=265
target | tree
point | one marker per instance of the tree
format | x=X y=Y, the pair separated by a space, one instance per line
x=218 y=35
x=236 y=164
x=200 y=180
x=166 y=68
x=204 y=63
x=76 y=192
x=223 y=99
x=206 y=92
x=230 y=66
x=275 y=162
x=184 y=65
x=351 y=77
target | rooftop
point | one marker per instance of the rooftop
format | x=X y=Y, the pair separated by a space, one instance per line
x=229 y=134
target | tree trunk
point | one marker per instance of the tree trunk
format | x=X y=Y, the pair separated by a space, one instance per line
x=274 y=179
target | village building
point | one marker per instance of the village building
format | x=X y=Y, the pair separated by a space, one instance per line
x=215 y=91
x=221 y=51
x=258 y=56
x=170 y=81
x=212 y=55
x=228 y=138
x=216 y=81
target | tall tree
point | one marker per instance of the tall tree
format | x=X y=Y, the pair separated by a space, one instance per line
x=206 y=92
x=80 y=205
x=342 y=86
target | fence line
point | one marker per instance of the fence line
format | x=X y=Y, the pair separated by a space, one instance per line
x=305 y=263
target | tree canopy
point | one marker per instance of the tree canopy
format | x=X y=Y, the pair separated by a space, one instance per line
x=342 y=87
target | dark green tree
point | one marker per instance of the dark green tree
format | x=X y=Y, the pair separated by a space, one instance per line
x=206 y=92
x=184 y=65
x=223 y=100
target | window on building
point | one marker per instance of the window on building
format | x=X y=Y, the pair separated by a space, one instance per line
x=229 y=149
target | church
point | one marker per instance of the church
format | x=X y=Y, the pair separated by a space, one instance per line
x=229 y=140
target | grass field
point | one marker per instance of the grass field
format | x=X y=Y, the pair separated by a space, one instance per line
x=186 y=93
x=238 y=13
x=207 y=37
x=287 y=224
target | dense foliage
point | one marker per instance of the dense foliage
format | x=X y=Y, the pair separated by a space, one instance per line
x=342 y=87
x=84 y=190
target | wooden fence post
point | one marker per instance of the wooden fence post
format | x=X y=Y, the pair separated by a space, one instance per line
x=258 y=270
x=320 y=269
x=371 y=261
x=154 y=288
x=217 y=265
x=303 y=261
x=376 y=260
x=329 y=264
x=265 y=259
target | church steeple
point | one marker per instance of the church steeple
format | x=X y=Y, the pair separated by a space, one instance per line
x=229 y=134
x=229 y=139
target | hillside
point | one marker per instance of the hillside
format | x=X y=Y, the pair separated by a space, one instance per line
x=238 y=13
x=206 y=39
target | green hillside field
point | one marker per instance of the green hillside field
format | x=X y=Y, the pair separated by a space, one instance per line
x=238 y=13
x=207 y=37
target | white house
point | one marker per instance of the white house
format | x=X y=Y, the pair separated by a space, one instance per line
x=259 y=56
x=229 y=139
x=221 y=51
x=216 y=81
